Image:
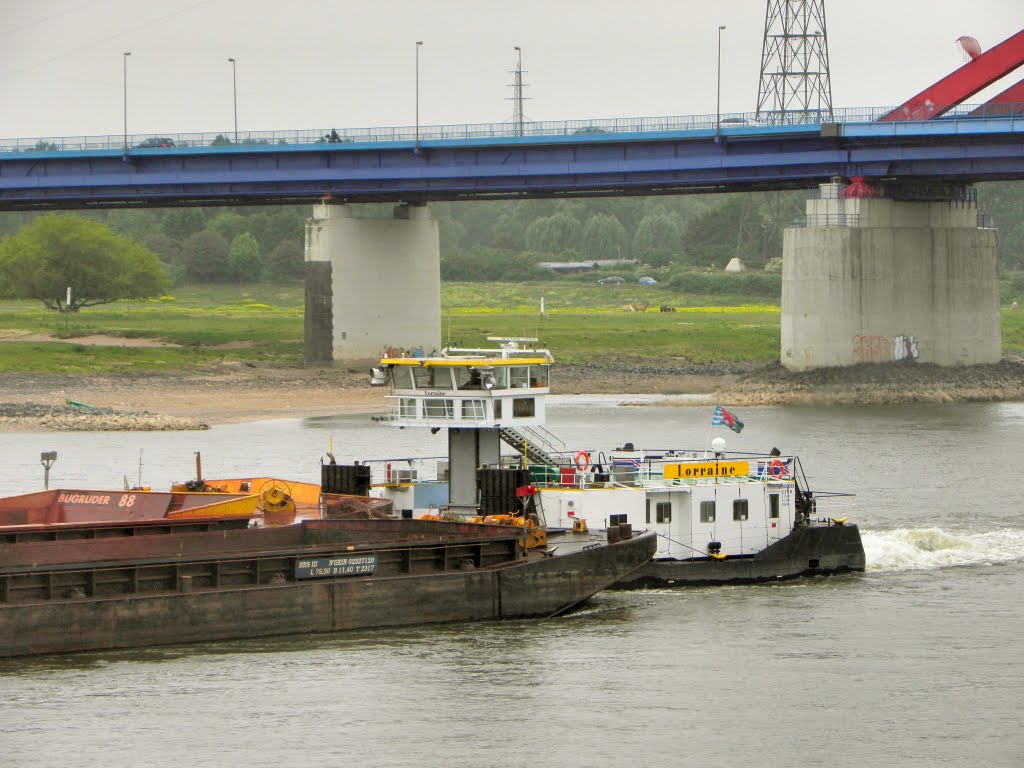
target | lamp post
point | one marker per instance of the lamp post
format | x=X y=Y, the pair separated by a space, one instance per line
x=418 y=44
x=518 y=95
x=234 y=93
x=718 y=79
x=124 y=60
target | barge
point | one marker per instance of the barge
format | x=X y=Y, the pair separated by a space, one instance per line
x=720 y=516
x=88 y=586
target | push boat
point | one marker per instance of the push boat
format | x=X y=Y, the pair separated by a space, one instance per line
x=719 y=517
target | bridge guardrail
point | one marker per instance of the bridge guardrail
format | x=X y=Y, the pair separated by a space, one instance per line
x=590 y=129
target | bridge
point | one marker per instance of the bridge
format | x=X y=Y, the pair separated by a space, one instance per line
x=621 y=156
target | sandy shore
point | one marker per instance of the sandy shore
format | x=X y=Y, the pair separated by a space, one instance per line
x=238 y=392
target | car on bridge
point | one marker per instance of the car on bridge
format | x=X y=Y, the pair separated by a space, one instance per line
x=739 y=122
x=155 y=142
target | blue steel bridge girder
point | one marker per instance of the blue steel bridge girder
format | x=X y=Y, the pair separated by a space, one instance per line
x=670 y=162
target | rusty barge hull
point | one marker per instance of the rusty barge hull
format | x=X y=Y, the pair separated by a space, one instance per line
x=134 y=591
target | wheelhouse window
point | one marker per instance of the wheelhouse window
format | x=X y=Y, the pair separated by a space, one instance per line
x=435 y=408
x=773 y=506
x=519 y=376
x=707 y=511
x=663 y=512
x=407 y=407
x=740 y=510
x=523 y=408
x=424 y=377
x=466 y=378
x=401 y=377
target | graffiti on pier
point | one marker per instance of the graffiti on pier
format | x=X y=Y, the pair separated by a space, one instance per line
x=868 y=348
x=871 y=349
x=882 y=349
x=905 y=348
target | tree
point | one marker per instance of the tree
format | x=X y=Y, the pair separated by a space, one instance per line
x=182 y=222
x=285 y=261
x=553 y=234
x=244 y=257
x=227 y=225
x=657 y=240
x=57 y=252
x=604 y=237
x=205 y=257
x=733 y=228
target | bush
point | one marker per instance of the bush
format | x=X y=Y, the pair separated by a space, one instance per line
x=747 y=283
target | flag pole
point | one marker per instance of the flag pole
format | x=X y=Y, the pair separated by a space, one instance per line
x=707 y=447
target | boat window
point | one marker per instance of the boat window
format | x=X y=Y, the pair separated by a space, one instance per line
x=663 y=512
x=424 y=377
x=739 y=509
x=500 y=377
x=648 y=510
x=497 y=409
x=443 y=378
x=618 y=519
x=465 y=378
x=540 y=376
x=401 y=376
x=435 y=408
x=519 y=376
x=473 y=410
x=773 y=506
x=407 y=407
x=523 y=408
x=707 y=511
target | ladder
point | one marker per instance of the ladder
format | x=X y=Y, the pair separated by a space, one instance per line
x=536 y=447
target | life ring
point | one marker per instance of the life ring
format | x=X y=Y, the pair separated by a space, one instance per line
x=582 y=461
x=777 y=469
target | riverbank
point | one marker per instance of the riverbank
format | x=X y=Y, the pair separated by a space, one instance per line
x=238 y=392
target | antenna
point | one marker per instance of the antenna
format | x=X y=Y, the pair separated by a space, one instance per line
x=518 y=117
x=795 y=84
x=140 y=467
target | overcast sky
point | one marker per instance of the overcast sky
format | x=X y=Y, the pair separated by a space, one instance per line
x=345 y=63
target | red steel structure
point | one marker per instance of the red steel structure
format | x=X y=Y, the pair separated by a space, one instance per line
x=960 y=85
x=1009 y=102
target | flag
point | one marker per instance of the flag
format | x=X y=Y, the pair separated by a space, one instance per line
x=723 y=418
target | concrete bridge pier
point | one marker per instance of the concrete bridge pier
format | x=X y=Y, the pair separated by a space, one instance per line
x=371 y=283
x=872 y=280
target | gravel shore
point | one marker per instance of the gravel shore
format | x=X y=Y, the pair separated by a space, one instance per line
x=233 y=393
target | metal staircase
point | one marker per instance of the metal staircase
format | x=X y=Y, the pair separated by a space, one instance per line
x=538 y=445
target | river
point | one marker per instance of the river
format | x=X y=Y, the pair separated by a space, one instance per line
x=918 y=662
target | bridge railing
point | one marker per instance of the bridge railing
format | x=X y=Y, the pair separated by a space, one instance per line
x=584 y=129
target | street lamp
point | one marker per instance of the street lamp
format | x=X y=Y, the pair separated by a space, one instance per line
x=124 y=59
x=418 y=44
x=518 y=95
x=718 y=95
x=234 y=91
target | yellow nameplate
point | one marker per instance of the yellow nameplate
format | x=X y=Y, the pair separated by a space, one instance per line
x=707 y=469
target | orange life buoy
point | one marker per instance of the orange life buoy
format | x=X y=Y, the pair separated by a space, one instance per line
x=582 y=461
x=777 y=469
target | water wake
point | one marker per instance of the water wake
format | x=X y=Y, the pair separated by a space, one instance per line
x=914 y=549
